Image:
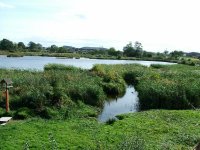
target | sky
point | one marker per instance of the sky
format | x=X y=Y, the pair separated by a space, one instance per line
x=158 y=24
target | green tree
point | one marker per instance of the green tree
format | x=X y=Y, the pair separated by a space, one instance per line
x=129 y=50
x=6 y=45
x=21 y=46
x=53 y=48
x=112 y=51
x=166 y=52
x=177 y=54
x=138 y=49
x=135 y=51
x=32 y=46
x=147 y=54
x=62 y=50
x=39 y=46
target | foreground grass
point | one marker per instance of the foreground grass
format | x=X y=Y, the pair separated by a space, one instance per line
x=71 y=97
x=155 y=129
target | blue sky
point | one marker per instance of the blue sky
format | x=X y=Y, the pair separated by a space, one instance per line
x=157 y=24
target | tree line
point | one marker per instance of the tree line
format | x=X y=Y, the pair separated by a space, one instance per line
x=8 y=45
x=129 y=50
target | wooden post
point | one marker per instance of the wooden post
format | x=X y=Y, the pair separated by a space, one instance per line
x=7 y=83
x=7 y=100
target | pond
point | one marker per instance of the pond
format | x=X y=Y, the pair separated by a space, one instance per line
x=38 y=62
x=126 y=104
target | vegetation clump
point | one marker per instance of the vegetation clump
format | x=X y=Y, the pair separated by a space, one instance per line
x=159 y=86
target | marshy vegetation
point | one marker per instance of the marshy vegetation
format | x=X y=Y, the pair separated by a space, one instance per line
x=162 y=86
x=57 y=87
x=70 y=98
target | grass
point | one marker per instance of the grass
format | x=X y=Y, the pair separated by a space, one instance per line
x=179 y=83
x=171 y=87
x=160 y=86
x=69 y=99
x=58 y=86
x=155 y=129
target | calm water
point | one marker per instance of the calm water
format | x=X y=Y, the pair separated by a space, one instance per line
x=38 y=62
x=126 y=104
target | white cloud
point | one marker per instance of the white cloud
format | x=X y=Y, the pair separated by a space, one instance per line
x=159 y=25
x=4 y=5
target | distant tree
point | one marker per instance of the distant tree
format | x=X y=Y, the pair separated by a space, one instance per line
x=138 y=46
x=135 y=51
x=6 y=45
x=177 y=54
x=32 y=45
x=147 y=54
x=138 y=49
x=166 y=52
x=15 y=46
x=160 y=55
x=21 y=46
x=62 y=50
x=112 y=51
x=129 y=50
x=39 y=46
x=53 y=48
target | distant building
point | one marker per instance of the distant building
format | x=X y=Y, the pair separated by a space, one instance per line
x=193 y=54
x=92 y=49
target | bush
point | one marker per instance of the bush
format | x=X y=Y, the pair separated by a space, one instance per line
x=131 y=78
x=23 y=113
x=175 y=87
x=2 y=111
x=89 y=94
x=120 y=117
x=48 y=113
x=161 y=94
x=57 y=67
x=114 y=89
x=112 y=83
x=55 y=87
x=111 y=121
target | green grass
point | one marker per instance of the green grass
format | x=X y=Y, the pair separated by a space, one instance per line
x=57 y=86
x=155 y=129
x=70 y=98
x=171 y=87
x=42 y=93
x=160 y=86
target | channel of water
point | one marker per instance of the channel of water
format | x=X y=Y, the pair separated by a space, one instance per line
x=112 y=107
x=125 y=104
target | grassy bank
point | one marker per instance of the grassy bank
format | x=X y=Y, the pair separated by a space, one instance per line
x=162 y=86
x=159 y=86
x=59 y=106
x=77 y=55
x=158 y=129
x=58 y=87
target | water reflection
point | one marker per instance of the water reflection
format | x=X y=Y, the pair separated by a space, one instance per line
x=127 y=103
x=38 y=62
